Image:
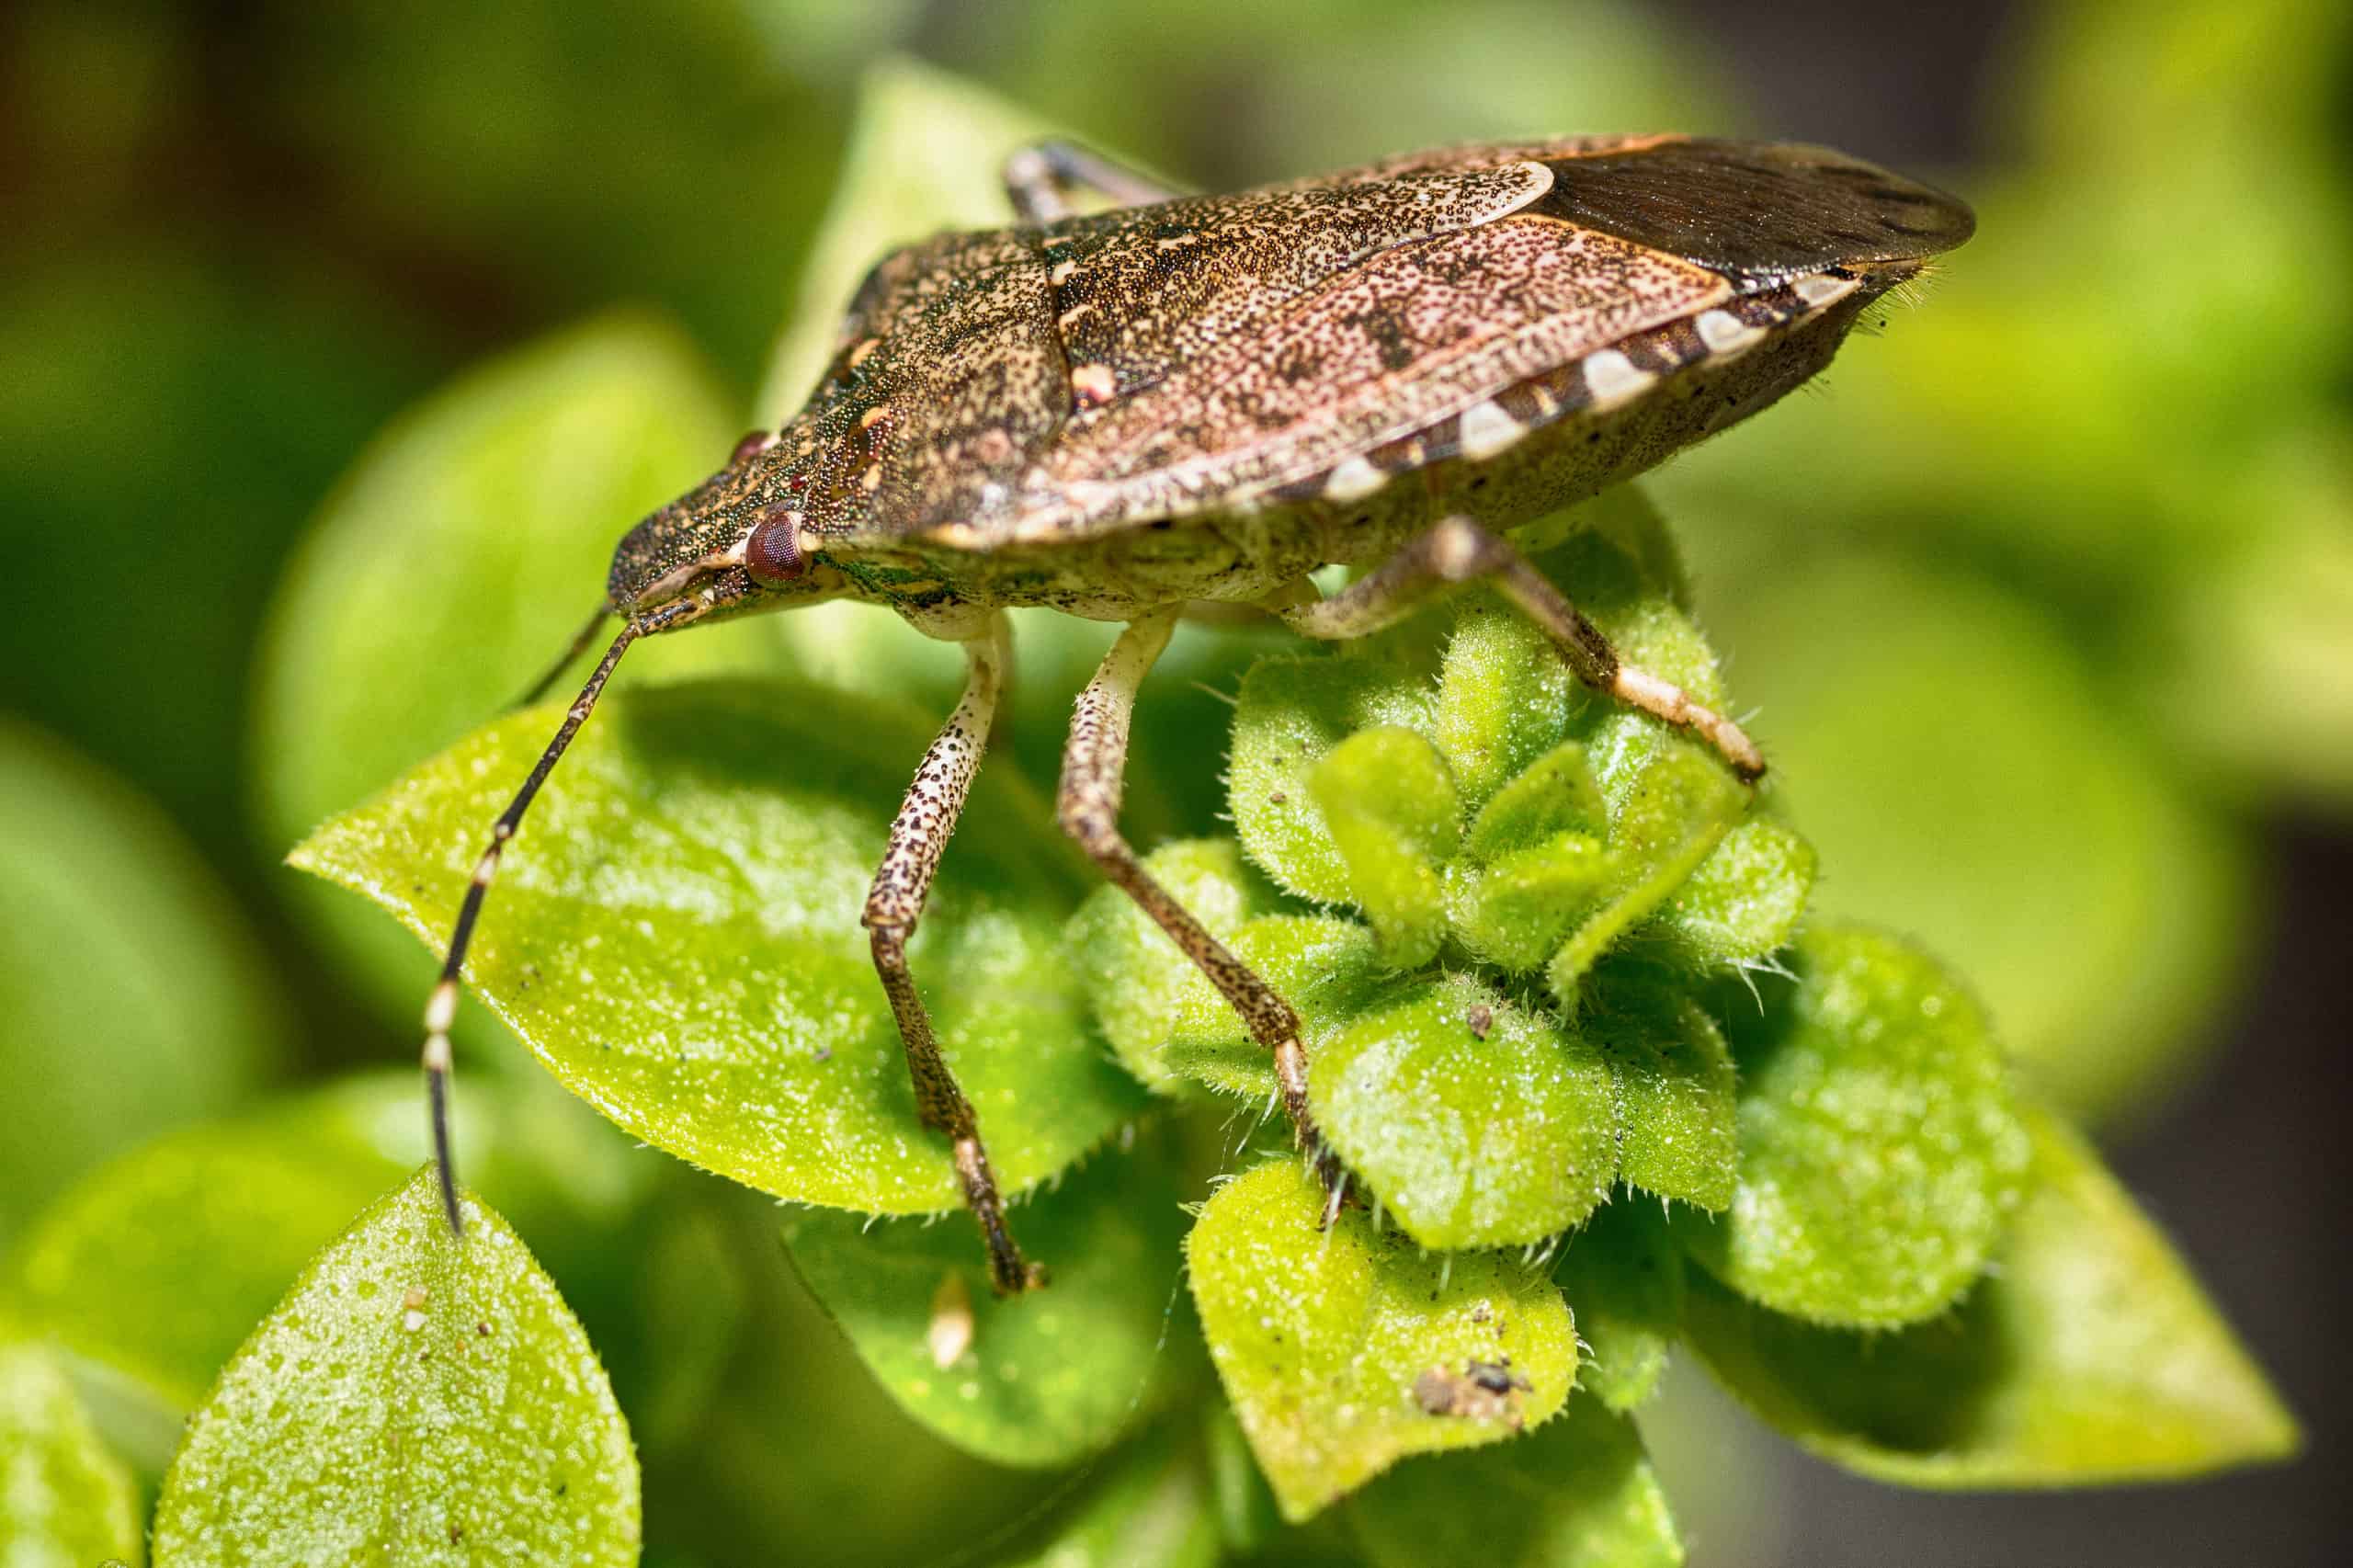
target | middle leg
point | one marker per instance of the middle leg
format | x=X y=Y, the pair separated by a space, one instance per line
x=1094 y=780
x=918 y=837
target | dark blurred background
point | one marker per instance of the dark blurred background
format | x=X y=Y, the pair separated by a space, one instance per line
x=2047 y=599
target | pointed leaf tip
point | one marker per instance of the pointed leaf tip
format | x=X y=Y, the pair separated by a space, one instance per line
x=413 y=1399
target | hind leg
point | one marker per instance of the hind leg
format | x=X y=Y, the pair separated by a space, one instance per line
x=901 y=883
x=1094 y=777
x=1457 y=552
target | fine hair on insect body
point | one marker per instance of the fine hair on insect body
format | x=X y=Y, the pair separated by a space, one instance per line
x=1182 y=401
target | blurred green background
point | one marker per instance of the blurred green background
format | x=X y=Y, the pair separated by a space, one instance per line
x=2044 y=599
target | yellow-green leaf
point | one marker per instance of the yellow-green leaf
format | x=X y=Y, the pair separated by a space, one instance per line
x=2088 y=1354
x=675 y=934
x=1321 y=1338
x=414 y=1399
x=1475 y=1122
x=1042 y=1379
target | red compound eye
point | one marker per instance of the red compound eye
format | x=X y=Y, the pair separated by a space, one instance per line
x=773 y=553
x=752 y=445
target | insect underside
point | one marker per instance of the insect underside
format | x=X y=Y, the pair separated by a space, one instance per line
x=1192 y=398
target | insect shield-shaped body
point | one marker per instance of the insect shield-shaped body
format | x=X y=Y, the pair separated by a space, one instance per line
x=1207 y=397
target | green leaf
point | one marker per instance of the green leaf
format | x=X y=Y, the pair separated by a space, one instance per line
x=1578 y=1493
x=1152 y=1510
x=1292 y=712
x=1044 y=1379
x=1326 y=968
x=2088 y=1354
x=1321 y=1338
x=415 y=1399
x=65 y=1501
x=675 y=935
x=1677 y=1105
x=1881 y=1150
x=1133 y=976
x=1390 y=805
x=1622 y=1275
x=1477 y=1122
x=1503 y=693
x=1515 y=911
x=1556 y=794
x=135 y=997
x=1743 y=903
x=1670 y=803
x=455 y=560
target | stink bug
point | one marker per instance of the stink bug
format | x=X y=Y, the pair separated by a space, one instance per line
x=1205 y=398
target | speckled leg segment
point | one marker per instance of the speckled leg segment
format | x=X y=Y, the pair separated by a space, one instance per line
x=1094 y=780
x=1457 y=552
x=918 y=837
x=1039 y=178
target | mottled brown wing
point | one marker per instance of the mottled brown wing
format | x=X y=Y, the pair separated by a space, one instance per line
x=1140 y=293
x=962 y=359
x=1410 y=337
x=1630 y=235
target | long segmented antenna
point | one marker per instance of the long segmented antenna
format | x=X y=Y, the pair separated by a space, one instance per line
x=580 y=640
x=441 y=1009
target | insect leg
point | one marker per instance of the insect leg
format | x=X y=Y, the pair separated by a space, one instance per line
x=1458 y=550
x=918 y=837
x=1039 y=177
x=1094 y=780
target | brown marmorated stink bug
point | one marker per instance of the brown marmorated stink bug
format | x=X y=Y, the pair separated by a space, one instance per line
x=1205 y=398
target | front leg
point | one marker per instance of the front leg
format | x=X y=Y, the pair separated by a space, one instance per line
x=918 y=837
x=1039 y=177
x=1094 y=780
x=1457 y=552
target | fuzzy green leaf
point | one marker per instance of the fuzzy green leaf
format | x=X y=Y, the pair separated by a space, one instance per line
x=1292 y=712
x=1677 y=1116
x=1503 y=695
x=1476 y=1122
x=65 y=1501
x=1578 y=1493
x=1556 y=794
x=1881 y=1150
x=675 y=934
x=1041 y=1380
x=1671 y=803
x=1321 y=1338
x=1515 y=911
x=1622 y=1275
x=1134 y=977
x=2089 y=1354
x=1325 y=967
x=414 y=1399
x=1390 y=805
x=1743 y=903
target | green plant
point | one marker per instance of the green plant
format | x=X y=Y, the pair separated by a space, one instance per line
x=1561 y=981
